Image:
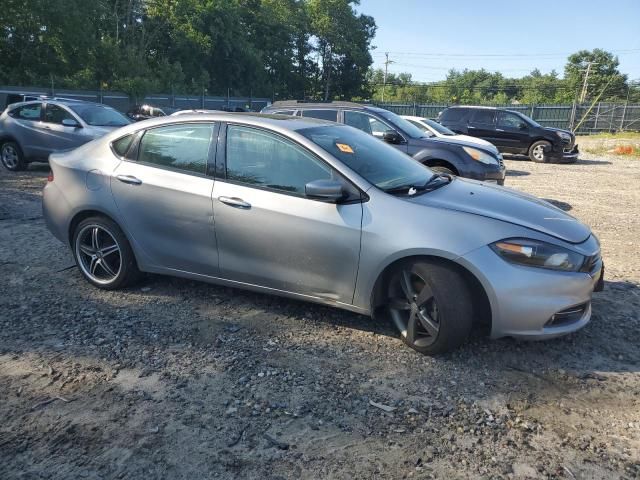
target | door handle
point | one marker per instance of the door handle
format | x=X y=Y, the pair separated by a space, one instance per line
x=234 y=202
x=130 y=179
x=471 y=127
x=499 y=130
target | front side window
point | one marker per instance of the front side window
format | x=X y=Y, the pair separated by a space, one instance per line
x=27 y=112
x=484 y=117
x=182 y=147
x=509 y=120
x=263 y=159
x=323 y=114
x=99 y=115
x=56 y=114
x=367 y=123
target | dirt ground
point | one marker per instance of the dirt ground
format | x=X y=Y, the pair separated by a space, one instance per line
x=183 y=380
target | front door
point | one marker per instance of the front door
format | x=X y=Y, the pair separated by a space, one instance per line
x=59 y=136
x=268 y=232
x=513 y=132
x=164 y=196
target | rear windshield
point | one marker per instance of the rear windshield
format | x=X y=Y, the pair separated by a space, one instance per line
x=100 y=116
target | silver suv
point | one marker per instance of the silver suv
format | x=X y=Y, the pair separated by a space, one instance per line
x=30 y=131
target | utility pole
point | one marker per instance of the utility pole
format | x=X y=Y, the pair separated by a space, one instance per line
x=583 y=94
x=386 y=69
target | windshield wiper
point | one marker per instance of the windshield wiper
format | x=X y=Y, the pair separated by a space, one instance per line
x=430 y=185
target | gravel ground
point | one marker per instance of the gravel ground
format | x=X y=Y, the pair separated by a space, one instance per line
x=183 y=380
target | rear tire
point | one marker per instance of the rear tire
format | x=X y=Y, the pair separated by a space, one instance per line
x=431 y=305
x=103 y=254
x=538 y=151
x=12 y=156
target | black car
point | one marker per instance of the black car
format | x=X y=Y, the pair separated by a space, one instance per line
x=512 y=132
x=146 y=111
x=456 y=157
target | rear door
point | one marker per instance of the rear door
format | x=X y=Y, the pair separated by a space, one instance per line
x=59 y=136
x=164 y=195
x=512 y=132
x=482 y=124
x=269 y=233
x=28 y=130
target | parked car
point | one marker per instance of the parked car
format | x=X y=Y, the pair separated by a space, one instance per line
x=512 y=132
x=30 y=131
x=321 y=212
x=455 y=157
x=431 y=127
x=146 y=111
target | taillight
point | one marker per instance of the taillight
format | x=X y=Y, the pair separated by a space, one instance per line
x=50 y=176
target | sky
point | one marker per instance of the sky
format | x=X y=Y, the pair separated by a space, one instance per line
x=427 y=37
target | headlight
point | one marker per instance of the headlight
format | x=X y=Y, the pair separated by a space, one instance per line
x=534 y=253
x=481 y=156
x=564 y=136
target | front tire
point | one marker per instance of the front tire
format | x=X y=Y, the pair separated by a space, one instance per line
x=538 y=151
x=12 y=157
x=431 y=306
x=441 y=169
x=103 y=254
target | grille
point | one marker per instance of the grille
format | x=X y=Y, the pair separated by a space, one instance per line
x=567 y=316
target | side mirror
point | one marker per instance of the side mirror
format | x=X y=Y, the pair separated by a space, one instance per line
x=391 y=136
x=523 y=126
x=325 y=190
x=69 y=122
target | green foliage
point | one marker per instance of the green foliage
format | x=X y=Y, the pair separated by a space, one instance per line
x=281 y=48
x=483 y=87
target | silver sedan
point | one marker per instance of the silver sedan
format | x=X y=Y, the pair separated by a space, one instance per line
x=322 y=212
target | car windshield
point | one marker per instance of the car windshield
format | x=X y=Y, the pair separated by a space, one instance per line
x=437 y=127
x=528 y=120
x=404 y=125
x=100 y=116
x=379 y=163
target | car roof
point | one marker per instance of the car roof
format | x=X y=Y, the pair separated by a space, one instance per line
x=302 y=105
x=60 y=101
x=256 y=119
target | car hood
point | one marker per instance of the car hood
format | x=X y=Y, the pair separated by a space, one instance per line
x=506 y=205
x=464 y=143
x=97 y=132
x=553 y=129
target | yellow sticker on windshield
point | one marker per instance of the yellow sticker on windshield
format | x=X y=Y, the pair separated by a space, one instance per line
x=344 y=148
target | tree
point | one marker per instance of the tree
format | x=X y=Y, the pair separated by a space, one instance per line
x=602 y=73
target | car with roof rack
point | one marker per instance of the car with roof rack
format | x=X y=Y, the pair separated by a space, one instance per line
x=512 y=132
x=30 y=131
x=450 y=156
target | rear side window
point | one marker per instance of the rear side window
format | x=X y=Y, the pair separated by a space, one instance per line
x=182 y=147
x=331 y=115
x=121 y=146
x=284 y=112
x=484 y=117
x=27 y=112
x=453 y=114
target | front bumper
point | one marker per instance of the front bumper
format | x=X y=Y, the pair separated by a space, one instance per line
x=566 y=155
x=487 y=173
x=526 y=301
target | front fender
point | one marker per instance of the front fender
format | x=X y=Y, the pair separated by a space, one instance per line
x=426 y=155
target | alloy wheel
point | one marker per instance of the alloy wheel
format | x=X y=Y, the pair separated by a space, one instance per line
x=413 y=308
x=10 y=156
x=538 y=152
x=98 y=254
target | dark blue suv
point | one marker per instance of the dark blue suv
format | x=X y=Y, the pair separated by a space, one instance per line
x=456 y=157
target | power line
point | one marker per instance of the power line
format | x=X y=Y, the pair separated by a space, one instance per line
x=434 y=54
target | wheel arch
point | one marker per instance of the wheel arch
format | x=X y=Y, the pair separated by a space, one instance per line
x=439 y=157
x=481 y=304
